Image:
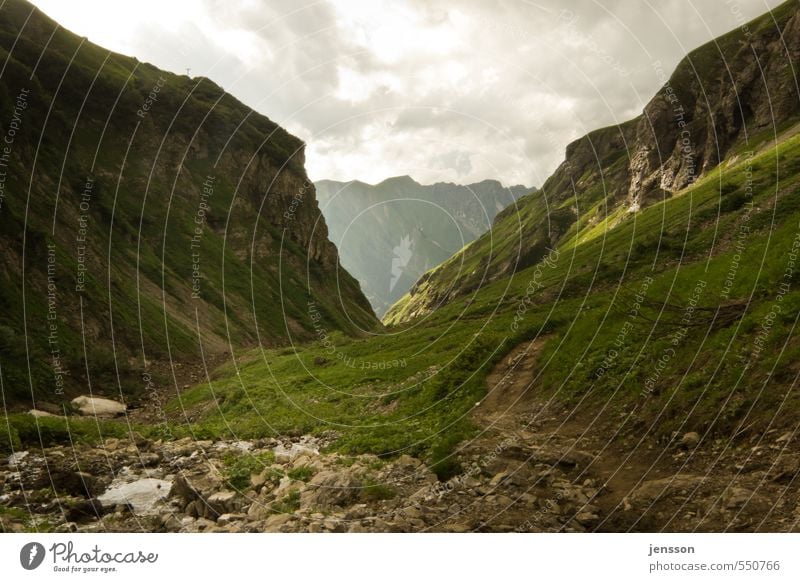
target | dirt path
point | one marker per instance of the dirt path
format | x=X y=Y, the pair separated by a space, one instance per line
x=631 y=483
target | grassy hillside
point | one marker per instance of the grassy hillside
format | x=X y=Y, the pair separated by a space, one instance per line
x=730 y=92
x=145 y=216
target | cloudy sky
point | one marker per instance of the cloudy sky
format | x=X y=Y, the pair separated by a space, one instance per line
x=441 y=90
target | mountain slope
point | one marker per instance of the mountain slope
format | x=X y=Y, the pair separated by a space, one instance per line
x=726 y=93
x=145 y=216
x=391 y=233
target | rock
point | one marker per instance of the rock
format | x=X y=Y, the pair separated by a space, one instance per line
x=202 y=524
x=101 y=407
x=198 y=483
x=229 y=518
x=139 y=441
x=785 y=469
x=258 y=480
x=17 y=458
x=586 y=518
x=149 y=459
x=143 y=495
x=555 y=456
x=76 y=483
x=656 y=489
x=84 y=510
x=223 y=502
x=499 y=478
x=690 y=440
x=288 y=454
x=39 y=413
x=330 y=489
x=457 y=528
x=170 y=522
x=736 y=497
x=275 y=522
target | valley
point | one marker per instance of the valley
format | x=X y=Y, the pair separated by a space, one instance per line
x=618 y=352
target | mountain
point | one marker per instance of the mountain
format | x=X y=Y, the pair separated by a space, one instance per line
x=725 y=95
x=146 y=216
x=391 y=233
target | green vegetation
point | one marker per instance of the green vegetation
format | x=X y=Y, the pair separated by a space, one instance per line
x=23 y=431
x=289 y=503
x=372 y=491
x=303 y=473
x=239 y=468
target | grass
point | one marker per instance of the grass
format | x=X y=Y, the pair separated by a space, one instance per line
x=372 y=491
x=23 y=431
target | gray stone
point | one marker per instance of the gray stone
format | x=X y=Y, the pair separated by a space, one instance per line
x=143 y=495
x=100 y=407
x=690 y=440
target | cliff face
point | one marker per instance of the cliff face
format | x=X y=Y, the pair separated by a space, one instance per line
x=144 y=216
x=732 y=87
x=721 y=96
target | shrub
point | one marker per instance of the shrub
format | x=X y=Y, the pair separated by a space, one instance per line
x=240 y=468
x=303 y=473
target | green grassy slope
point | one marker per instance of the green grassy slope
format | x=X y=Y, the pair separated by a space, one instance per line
x=145 y=214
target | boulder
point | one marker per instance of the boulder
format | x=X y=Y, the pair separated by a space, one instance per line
x=39 y=413
x=143 y=496
x=199 y=483
x=284 y=454
x=656 y=489
x=100 y=407
x=223 y=502
x=690 y=440
x=331 y=489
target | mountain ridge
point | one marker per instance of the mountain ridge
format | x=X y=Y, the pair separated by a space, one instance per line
x=389 y=233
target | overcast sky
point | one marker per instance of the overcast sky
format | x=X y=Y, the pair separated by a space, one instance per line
x=440 y=90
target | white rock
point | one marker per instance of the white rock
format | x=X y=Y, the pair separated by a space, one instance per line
x=93 y=406
x=39 y=413
x=143 y=495
x=287 y=455
x=17 y=457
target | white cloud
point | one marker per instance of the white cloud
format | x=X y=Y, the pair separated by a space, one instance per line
x=437 y=89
